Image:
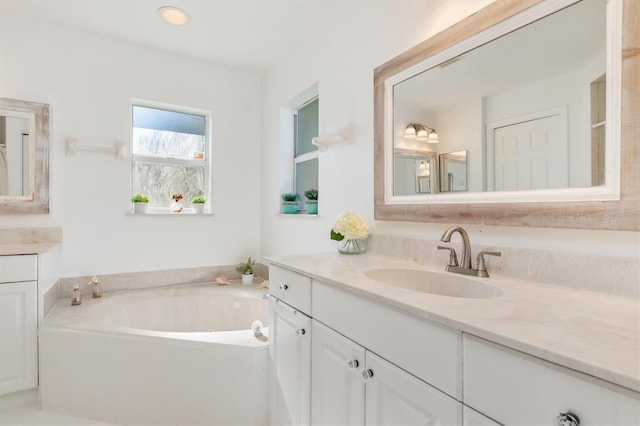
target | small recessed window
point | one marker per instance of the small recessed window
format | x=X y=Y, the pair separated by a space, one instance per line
x=305 y=153
x=170 y=155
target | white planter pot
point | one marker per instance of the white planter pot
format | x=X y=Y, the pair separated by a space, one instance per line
x=198 y=208
x=247 y=279
x=140 y=207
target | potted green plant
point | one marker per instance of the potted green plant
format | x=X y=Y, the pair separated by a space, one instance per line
x=197 y=203
x=312 y=201
x=140 y=203
x=290 y=203
x=246 y=269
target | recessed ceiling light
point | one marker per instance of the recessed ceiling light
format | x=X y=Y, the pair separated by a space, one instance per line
x=173 y=15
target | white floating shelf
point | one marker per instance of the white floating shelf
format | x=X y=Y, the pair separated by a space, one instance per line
x=72 y=148
x=342 y=135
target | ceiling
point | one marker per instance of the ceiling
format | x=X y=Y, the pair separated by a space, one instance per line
x=248 y=34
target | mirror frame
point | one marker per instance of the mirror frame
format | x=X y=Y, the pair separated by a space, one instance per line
x=622 y=214
x=37 y=201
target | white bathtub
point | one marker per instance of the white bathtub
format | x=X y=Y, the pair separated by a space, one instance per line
x=174 y=356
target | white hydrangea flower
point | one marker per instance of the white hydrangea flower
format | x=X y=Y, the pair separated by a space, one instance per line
x=352 y=226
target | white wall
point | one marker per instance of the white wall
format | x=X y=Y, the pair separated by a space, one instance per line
x=89 y=81
x=340 y=55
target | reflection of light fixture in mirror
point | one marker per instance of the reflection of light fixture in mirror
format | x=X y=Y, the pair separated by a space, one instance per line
x=410 y=131
x=422 y=165
x=173 y=15
x=425 y=133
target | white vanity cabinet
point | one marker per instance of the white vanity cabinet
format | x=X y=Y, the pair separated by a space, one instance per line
x=18 y=323
x=353 y=386
x=517 y=389
x=290 y=348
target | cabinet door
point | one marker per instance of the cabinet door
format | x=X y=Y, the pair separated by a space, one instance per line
x=290 y=347
x=337 y=388
x=473 y=418
x=18 y=337
x=395 y=397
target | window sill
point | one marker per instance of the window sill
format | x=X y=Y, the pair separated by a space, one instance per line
x=159 y=211
x=297 y=214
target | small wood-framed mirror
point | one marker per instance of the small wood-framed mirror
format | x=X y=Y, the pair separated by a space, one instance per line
x=24 y=157
x=606 y=196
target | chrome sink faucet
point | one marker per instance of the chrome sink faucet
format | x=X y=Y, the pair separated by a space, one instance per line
x=480 y=270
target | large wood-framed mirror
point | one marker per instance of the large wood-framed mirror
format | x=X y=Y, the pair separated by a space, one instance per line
x=463 y=88
x=24 y=157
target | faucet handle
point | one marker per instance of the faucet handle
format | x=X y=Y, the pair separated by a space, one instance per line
x=453 y=257
x=481 y=266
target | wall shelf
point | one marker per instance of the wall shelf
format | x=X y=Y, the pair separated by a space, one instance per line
x=72 y=148
x=342 y=135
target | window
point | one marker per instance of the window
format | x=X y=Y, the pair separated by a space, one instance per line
x=305 y=122
x=170 y=154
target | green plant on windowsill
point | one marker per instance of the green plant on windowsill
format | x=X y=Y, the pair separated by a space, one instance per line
x=290 y=202
x=139 y=198
x=312 y=201
x=140 y=203
x=197 y=203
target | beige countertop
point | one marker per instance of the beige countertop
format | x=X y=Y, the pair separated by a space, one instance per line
x=594 y=333
x=25 y=248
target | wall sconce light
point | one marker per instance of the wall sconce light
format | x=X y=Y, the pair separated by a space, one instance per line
x=420 y=132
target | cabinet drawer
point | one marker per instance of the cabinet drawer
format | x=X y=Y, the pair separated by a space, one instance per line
x=515 y=388
x=18 y=268
x=291 y=287
x=424 y=349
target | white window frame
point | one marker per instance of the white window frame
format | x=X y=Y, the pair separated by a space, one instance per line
x=171 y=161
x=297 y=159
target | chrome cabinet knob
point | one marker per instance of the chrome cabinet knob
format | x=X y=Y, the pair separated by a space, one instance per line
x=367 y=374
x=567 y=419
x=283 y=287
x=353 y=363
x=300 y=331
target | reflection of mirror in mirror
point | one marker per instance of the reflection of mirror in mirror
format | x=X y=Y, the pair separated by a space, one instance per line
x=415 y=172
x=14 y=156
x=528 y=106
x=453 y=171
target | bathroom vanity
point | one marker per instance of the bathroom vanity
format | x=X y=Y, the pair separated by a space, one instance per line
x=378 y=351
x=26 y=269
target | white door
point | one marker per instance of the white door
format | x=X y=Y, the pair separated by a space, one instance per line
x=18 y=337
x=290 y=347
x=395 y=397
x=530 y=154
x=337 y=388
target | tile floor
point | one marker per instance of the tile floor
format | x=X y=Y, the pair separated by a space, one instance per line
x=22 y=409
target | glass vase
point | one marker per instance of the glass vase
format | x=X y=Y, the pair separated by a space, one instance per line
x=352 y=246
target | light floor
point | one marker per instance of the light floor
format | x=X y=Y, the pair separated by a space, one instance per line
x=22 y=409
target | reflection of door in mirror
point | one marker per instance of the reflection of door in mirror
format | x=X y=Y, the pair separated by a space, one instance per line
x=528 y=152
x=14 y=164
x=453 y=171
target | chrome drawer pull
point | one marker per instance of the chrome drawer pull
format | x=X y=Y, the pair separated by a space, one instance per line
x=300 y=331
x=353 y=363
x=567 y=419
x=283 y=287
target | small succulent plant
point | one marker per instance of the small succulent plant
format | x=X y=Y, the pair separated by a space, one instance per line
x=199 y=200
x=311 y=194
x=290 y=197
x=139 y=198
x=246 y=268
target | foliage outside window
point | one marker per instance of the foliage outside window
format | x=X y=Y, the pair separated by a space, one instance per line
x=305 y=153
x=170 y=154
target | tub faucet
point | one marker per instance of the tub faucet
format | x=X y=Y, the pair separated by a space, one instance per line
x=480 y=270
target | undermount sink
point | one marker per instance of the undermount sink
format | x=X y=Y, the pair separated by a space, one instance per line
x=439 y=283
